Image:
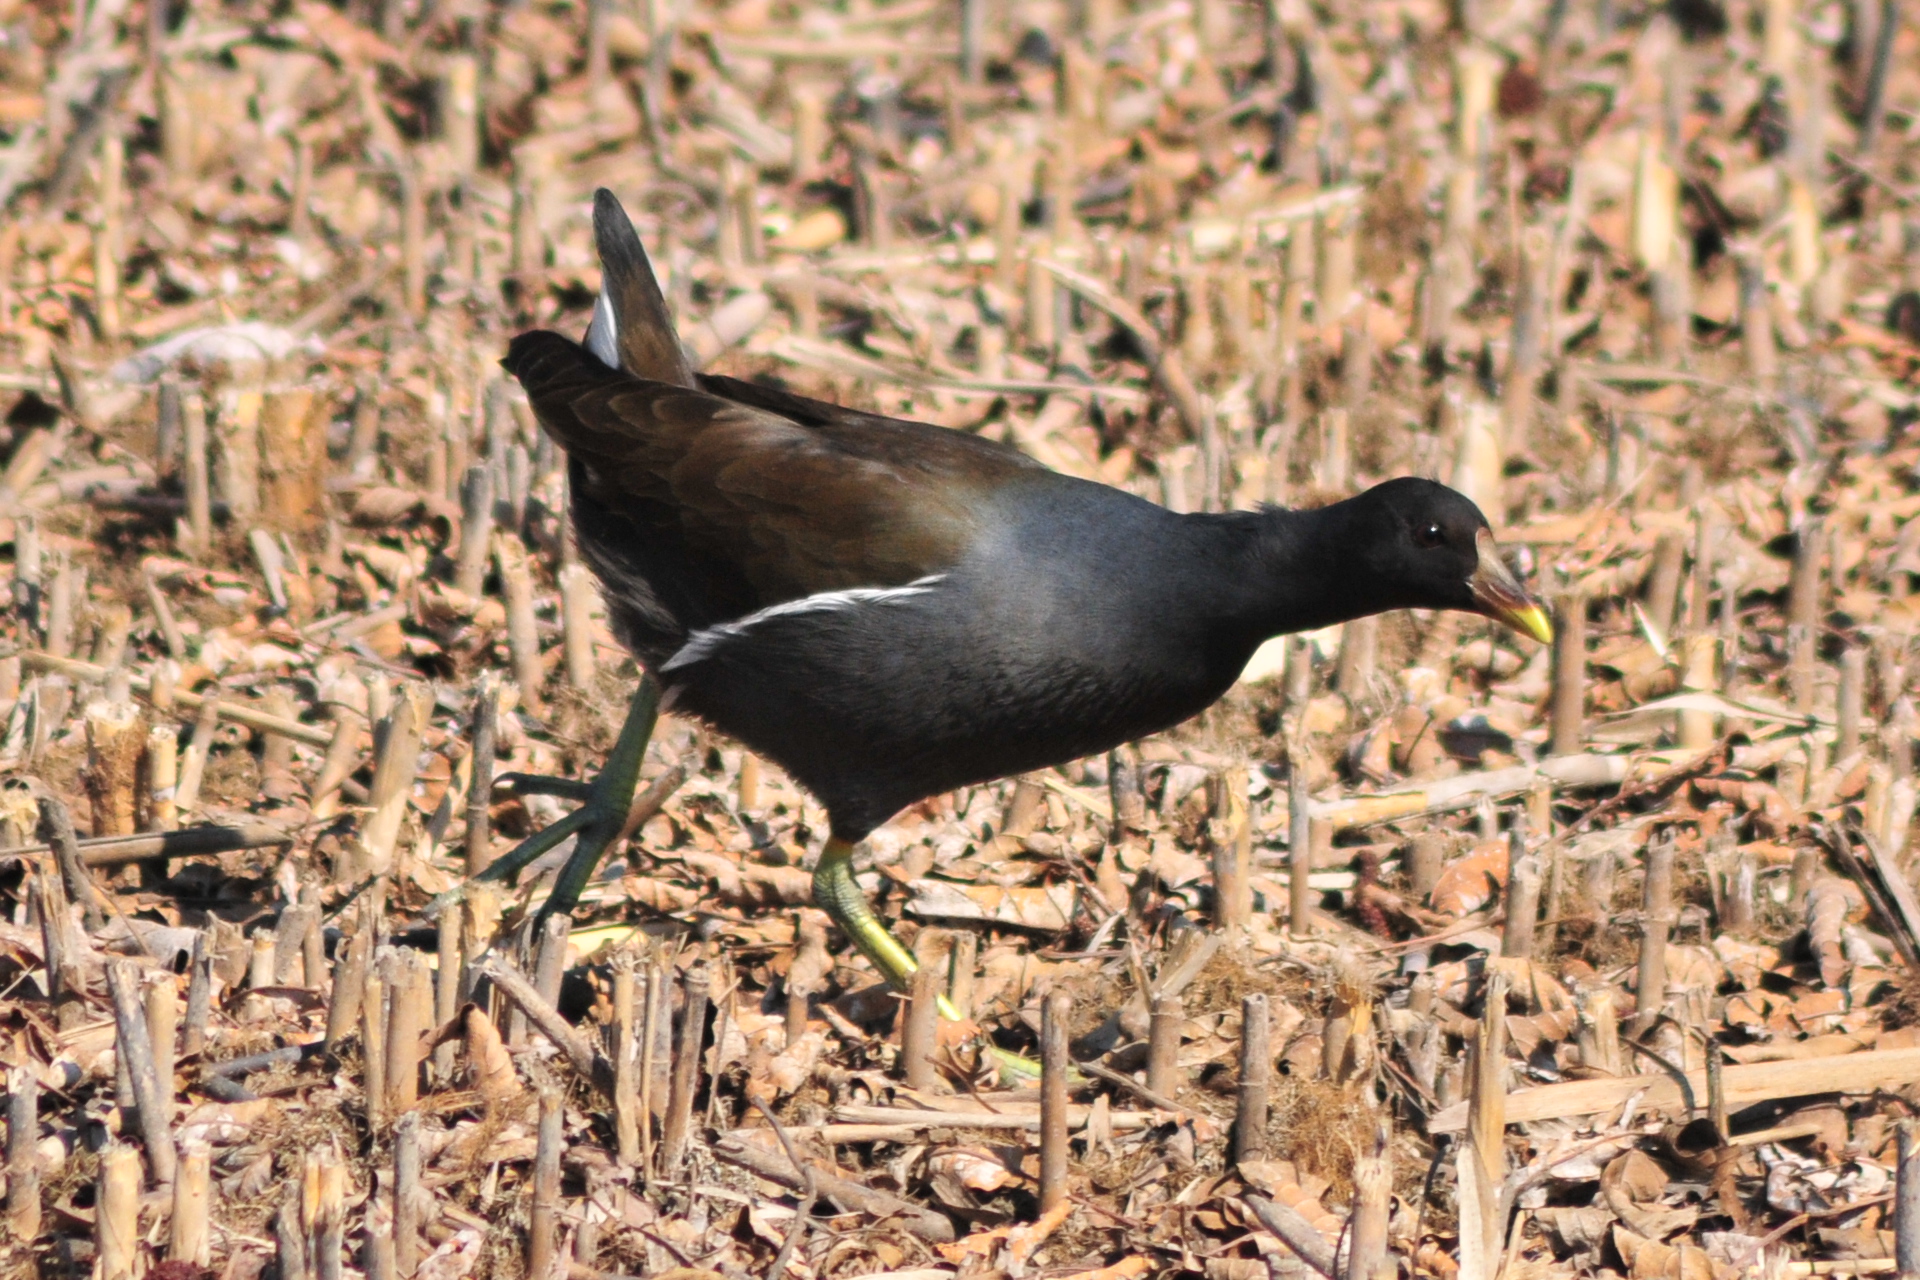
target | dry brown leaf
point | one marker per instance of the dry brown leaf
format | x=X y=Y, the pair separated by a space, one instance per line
x=1469 y=883
x=487 y=1058
x=1651 y=1260
x=973 y=1168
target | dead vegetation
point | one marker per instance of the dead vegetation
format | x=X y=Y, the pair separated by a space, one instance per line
x=1607 y=959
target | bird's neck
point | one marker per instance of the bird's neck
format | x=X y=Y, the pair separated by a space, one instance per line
x=1292 y=571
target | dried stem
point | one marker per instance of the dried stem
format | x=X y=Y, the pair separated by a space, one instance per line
x=1569 y=674
x=193 y=1032
x=1426 y=858
x=289 y=1238
x=523 y=637
x=961 y=960
x=1054 y=1065
x=1804 y=612
x=1296 y=1232
x=550 y=962
x=688 y=1047
x=1663 y=581
x=1483 y=1156
x=396 y=765
x=66 y=979
x=579 y=1050
x=1124 y=791
x=1700 y=654
x=193 y=761
x=154 y=1100
x=117 y=1214
x=409 y=1196
x=57 y=825
x=486 y=708
x=188 y=1237
x=917 y=1035
x=476 y=529
x=1299 y=850
x=163 y=1021
x=1523 y=903
x=197 y=539
x=23 y=1153
x=1873 y=103
x=1256 y=1079
x=449 y=980
x=407 y=992
x=1851 y=708
x=1906 y=1201
x=324 y=1212
x=1353 y=672
x=1656 y=921
x=1372 y=1202
x=1164 y=1027
x=1231 y=836
x=576 y=615
x=1599 y=1030
x=627 y=1119
x=351 y=958
x=373 y=1038
x=543 y=1231
x=163 y=777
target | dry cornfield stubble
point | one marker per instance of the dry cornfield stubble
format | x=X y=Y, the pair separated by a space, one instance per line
x=1523 y=963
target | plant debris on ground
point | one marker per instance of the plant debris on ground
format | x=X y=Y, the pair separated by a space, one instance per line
x=1605 y=958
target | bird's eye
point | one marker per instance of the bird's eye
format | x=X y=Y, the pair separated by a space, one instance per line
x=1429 y=535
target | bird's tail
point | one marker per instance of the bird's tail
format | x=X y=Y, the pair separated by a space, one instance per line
x=631 y=330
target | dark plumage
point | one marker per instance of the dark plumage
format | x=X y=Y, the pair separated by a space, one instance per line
x=890 y=610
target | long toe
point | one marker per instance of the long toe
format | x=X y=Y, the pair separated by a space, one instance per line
x=606 y=814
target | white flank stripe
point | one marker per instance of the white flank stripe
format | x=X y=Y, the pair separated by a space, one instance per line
x=701 y=644
x=603 y=332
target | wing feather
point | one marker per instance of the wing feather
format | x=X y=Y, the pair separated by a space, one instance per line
x=798 y=508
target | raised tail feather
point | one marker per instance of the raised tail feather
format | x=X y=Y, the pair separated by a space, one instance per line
x=632 y=329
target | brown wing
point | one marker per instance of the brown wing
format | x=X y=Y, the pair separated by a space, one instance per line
x=797 y=508
x=826 y=416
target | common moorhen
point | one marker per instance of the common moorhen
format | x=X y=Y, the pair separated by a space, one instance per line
x=889 y=610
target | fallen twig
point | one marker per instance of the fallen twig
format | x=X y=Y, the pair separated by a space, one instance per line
x=849 y=1195
x=1293 y=1231
x=1744 y=1085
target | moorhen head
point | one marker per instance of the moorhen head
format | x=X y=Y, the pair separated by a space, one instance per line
x=889 y=610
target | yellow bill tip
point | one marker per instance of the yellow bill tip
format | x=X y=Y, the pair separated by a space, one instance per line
x=1498 y=594
x=1529 y=620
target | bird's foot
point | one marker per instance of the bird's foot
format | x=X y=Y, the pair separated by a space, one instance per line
x=605 y=817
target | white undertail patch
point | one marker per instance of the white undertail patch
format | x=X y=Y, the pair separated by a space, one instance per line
x=702 y=643
x=603 y=331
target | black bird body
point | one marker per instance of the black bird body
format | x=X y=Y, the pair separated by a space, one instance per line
x=889 y=610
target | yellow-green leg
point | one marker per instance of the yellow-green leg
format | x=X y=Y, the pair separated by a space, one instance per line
x=835 y=893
